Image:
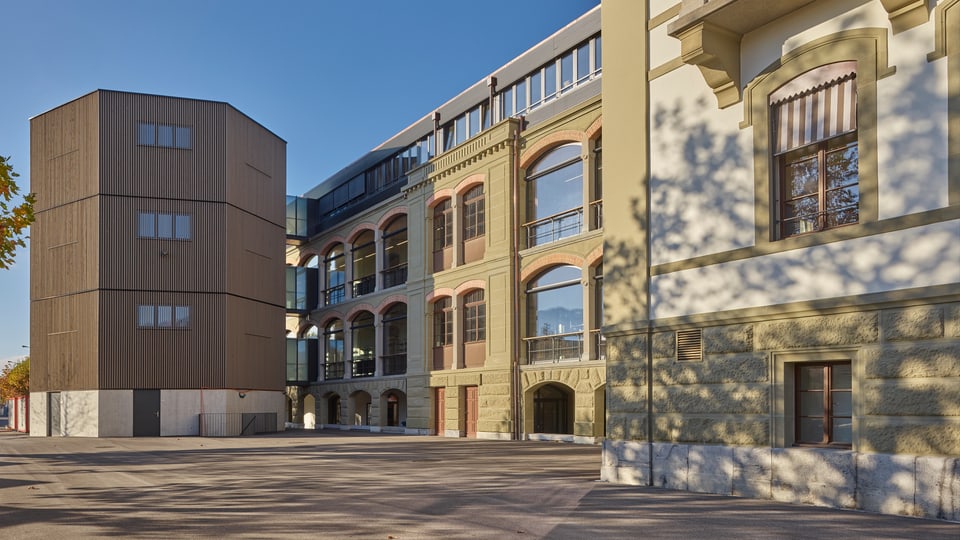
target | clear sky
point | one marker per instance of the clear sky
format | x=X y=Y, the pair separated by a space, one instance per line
x=334 y=79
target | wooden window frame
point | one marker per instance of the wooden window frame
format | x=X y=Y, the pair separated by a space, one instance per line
x=828 y=416
x=443 y=322
x=474 y=213
x=474 y=317
x=443 y=225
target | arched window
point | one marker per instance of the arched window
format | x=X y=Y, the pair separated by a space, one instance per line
x=814 y=132
x=364 y=264
x=395 y=252
x=333 y=367
x=310 y=332
x=364 y=352
x=395 y=340
x=555 y=316
x=335 y=265
x=442 y=236
x=474 y=224
x=443 y=333
x=555 y=196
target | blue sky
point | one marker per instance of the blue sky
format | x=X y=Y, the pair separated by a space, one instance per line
x=334 y=79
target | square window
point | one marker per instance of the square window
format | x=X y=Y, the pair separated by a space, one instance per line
x=145 y=316
x=164 y=316
x=165 y=136
x=146 y=134
x=146 y=224
x=184 y=137
x=182 y=227
x=164 y=225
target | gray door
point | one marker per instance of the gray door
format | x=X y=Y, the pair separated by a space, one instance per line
x=146 y=413
x=53 y=409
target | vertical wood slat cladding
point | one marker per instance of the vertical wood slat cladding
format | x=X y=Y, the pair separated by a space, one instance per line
x=155 y=264
x=64 y=153
x=257 y=169
x=133 y=357
x=63 y=337
x=256 y=340
x=231 y=183
x=64 y=242
x=129 y=169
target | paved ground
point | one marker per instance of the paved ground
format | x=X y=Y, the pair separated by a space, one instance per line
x=345 y=485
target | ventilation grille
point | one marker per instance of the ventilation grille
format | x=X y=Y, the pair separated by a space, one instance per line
x=689 y=345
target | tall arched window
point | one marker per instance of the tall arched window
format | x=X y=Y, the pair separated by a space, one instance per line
x=395 y=340
x=555 y=316
x=474 y=329
x=442 y=236
x=395 y=252
x=335 y=265
x=333 y=350
x=474 y=224
x=555 y=196
x=443 y=333
x=364 y=264
x=364 y=352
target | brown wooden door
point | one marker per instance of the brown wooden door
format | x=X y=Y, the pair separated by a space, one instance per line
x=440 y=410
x=471 y=411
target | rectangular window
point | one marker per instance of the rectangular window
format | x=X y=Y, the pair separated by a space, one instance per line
x=521 y=92
x=461 y=128
x=165 y=226
x=597 y=56
x=535 y=88
x=583 y=63
x=164 y=135
x=824 y=408
x=566 y=72
x=163 y=316
x=474 y=317
x=147 y=134
x=549 y=81
x=475 y=121
x=815 y=149
x=506 y=103
x=474 y=214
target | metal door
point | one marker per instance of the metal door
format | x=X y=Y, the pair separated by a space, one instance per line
x=146 y=413
x=440 y=410
x=471 y=411
x=53 y=410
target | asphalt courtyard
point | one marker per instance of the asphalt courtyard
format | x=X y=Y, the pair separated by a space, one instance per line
x=351 y=485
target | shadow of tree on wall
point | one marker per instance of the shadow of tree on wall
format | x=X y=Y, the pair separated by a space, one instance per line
x=699 y=204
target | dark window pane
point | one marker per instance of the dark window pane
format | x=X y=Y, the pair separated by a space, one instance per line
x=842 y=431
x=801 y=177
x=841 y=378
x=811 y=403
x=811 y=430
x=811 y=378
x=842 y=403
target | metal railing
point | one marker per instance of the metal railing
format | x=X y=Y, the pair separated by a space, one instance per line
x=334 y=295
x=364 y=285
x=236 y=424
x=394 y=276
x=553 y=228
x=596 y=214
x=364 y=366
x=394 y=364
x=333 y=371
x=555 y=348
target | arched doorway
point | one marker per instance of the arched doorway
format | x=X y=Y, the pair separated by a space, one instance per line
x=309 y=412
x=394 y=407
x=360 y=408
x=553 y=410
x=333 y=410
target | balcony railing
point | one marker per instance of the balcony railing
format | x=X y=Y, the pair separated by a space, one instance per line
x=394 y=276
x=364 y=366
x=364 y=285
x=555 y=227
x=334 y=295
x=394 y=364
x=333 y=371
x=599 y=344
x=555 y=348
x=596 y=214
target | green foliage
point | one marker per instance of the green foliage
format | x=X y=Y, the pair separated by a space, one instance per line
x=15 y=380
x=14 y=220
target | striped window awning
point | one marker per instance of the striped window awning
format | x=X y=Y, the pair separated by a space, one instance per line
x=818 y=105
